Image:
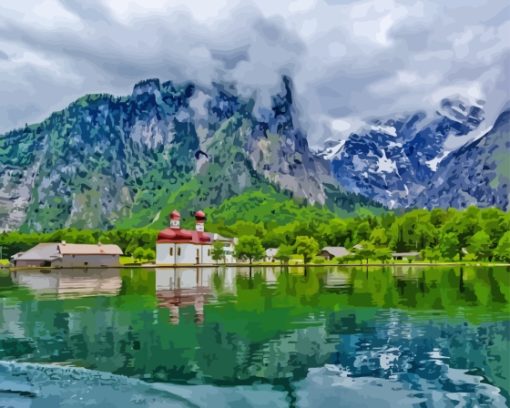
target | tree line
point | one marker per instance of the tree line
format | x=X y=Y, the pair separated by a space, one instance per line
x=438 y=234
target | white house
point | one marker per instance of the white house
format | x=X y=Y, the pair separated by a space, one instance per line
x=330 y=252
x=270 y=255
x=178 y=246
x=228 y=246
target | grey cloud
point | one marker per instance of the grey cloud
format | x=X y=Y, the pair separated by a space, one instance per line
x=348 y=60
x=91 y=10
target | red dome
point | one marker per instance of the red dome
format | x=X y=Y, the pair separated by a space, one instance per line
x=175 y=215
x=175 y=235
x=200 y=215
x=170 y=235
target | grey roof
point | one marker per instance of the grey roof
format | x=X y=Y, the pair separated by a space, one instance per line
x=88 y=249
x=271 y=251
x=217 y=237
x=336 y=251
x=41 y=252
x=411 y=253
x=16 y=255
x=52 y=250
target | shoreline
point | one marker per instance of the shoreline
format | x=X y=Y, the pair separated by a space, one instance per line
x=255 y=264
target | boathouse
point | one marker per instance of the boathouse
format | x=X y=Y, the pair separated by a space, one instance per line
x=330 y=252
x=65 y=255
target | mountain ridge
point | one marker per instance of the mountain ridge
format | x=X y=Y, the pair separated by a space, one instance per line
x=106 y=160
x=478 y=173
x=392 y=160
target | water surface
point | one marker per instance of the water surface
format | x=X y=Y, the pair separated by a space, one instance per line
x=394 y=336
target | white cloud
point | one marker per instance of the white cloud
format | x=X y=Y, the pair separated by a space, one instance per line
x=348 y=60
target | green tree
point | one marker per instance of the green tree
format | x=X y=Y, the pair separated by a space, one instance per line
x=449 y=245
x=149 y=254
x=383 y=254
x=363 y=231
x=464 y=224
x=138 y=253
x=249 y=228
x=249 y=247
x=218 y=252
x=502 y=251
x=431 y=254
x=480 y=245
x=306 y=246
x=284 y=253
x=365 y=251
x=378 y=237
x=334 y=233
x=273 y=238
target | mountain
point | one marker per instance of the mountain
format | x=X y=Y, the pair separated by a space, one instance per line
x=109 y=161
x=476 y=174
x=392 y=160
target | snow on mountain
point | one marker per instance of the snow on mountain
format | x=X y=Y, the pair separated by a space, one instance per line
x=476 y=174
x=392 y=160
x=331 y=149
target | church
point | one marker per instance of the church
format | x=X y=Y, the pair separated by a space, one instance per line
x=178 y=246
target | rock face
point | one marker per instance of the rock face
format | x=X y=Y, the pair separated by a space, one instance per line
x=476 y=174
x=105 y=159
x=394 y=159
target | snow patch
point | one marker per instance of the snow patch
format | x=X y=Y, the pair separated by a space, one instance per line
x=436 y=160
x=394 y=144
x=333 y=151
x=386 y=165
x=388 y=130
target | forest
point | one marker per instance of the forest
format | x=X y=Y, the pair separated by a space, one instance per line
x=453 y=235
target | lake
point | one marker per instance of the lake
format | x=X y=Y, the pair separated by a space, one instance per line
x=265 y=337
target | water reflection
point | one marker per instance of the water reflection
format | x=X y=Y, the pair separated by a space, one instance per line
x=176 y=288
x=70 y=283
x=425 y=329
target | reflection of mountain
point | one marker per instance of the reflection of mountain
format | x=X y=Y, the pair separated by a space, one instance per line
x=70 y=283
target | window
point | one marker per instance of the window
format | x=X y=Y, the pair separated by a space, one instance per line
x=171 y=251
x=179 y=251
x=208 y=252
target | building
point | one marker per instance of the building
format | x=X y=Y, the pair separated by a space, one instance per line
x=270 y=255
x=178 y=246
x=229 y=245
x=412 y=255
x=330 y=252
x=64 y=255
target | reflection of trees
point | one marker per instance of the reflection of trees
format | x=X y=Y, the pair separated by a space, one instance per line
x=270 y=332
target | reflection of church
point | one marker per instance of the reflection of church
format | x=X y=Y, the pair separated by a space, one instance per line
x=184 y=287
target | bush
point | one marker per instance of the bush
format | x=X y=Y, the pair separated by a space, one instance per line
x=139 y=253
x=149 y=254
x=318 y=260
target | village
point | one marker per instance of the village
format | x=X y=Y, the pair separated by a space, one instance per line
x=174 y=247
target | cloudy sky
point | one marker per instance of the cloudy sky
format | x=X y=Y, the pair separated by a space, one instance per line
x=348 y=60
